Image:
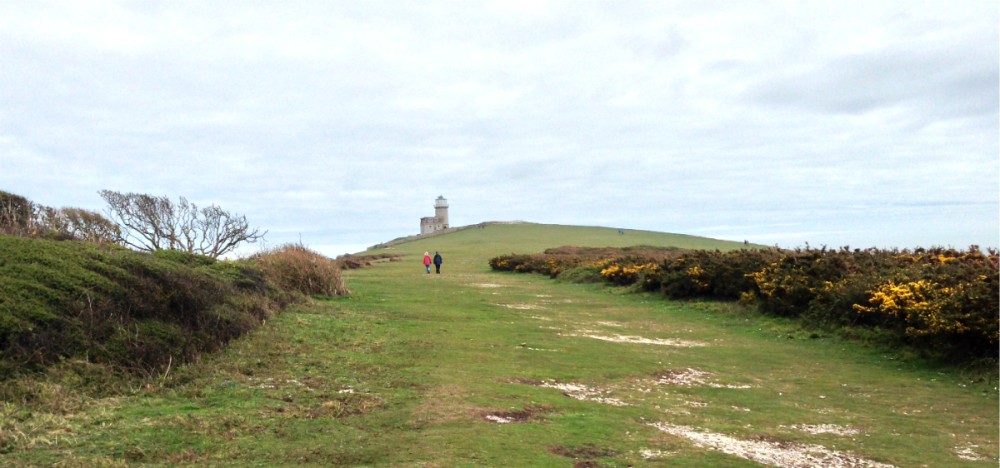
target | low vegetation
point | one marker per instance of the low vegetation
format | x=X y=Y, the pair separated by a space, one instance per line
x=478 y=368
x=353 y=262
x=293 y=267
x=76 y=302
x=942 y=302
x=135 y=312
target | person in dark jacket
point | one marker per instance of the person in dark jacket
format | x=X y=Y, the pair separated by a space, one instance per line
x=437 y=262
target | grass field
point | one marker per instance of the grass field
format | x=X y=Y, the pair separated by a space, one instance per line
x=472 y=367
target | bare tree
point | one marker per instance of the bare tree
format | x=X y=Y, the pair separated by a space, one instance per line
x=155 y=223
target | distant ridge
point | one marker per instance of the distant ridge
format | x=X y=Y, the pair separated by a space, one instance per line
x=524 y=235
x=405 y=239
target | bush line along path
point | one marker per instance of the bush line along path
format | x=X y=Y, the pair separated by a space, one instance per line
x=473 y=367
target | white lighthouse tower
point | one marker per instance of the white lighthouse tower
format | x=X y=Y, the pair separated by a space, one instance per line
x=439 y=221
x=441 y=211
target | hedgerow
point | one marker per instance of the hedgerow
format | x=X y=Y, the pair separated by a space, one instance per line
x=942 y=301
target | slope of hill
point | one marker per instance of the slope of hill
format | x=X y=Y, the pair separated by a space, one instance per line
x=550 y=235
x=472 y=246
x=141 y=313
x=475 y=368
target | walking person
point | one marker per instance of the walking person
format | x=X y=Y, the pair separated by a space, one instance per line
x=427 y=262
x=437 y=262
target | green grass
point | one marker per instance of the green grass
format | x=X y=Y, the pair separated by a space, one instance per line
x=106 y=304
x=406 y=370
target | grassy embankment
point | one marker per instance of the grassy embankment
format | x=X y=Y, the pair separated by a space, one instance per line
x=417 y=369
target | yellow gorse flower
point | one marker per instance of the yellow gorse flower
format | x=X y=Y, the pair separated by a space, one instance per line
x=927 y=307
x=627 y=274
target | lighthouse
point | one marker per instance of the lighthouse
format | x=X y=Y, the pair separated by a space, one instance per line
x=439 y=221
x=441 y=210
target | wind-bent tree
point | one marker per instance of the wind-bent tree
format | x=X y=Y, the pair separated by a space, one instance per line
x=16 y=213
x=89 y=226
x=155 y=223
x=23 y=217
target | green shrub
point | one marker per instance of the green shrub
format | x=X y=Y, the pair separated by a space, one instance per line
x=184 y=258
x=244 y=275
x=581 y=275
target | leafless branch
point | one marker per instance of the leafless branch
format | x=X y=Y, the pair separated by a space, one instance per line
x=155 y=223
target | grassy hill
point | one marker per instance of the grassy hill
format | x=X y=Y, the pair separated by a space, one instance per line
x=475 y=368
x=472 y=247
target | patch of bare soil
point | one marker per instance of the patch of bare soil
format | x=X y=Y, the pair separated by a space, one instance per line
x=637 y=339
x=583 y=393
x=519 y=416
x=691 y=378
x=526 y=381
x=968 y=453
x=611 y=324
x=584 y=455
x=826 y=429
x=651 y=454
x=522 y=306
x=769 y=452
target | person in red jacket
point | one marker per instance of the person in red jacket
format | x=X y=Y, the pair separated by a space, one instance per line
x=427 y=262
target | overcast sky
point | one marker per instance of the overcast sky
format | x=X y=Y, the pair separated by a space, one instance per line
x=868 y=123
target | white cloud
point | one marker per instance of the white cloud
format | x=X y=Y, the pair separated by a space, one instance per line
x=343 y=121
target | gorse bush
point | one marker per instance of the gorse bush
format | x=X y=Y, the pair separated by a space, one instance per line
x=296 y=268
x=937 y=299
x=712 y=274
x=550 y=266
x=556 y=261
x=940 y=298
x=628 y=270
x=943 y=301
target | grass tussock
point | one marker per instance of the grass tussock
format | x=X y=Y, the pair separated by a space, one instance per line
x=294 y=267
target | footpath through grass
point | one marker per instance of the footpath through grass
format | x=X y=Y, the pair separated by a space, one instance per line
x=473 y=368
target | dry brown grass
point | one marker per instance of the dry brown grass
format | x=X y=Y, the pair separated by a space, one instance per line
x=295 y=267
